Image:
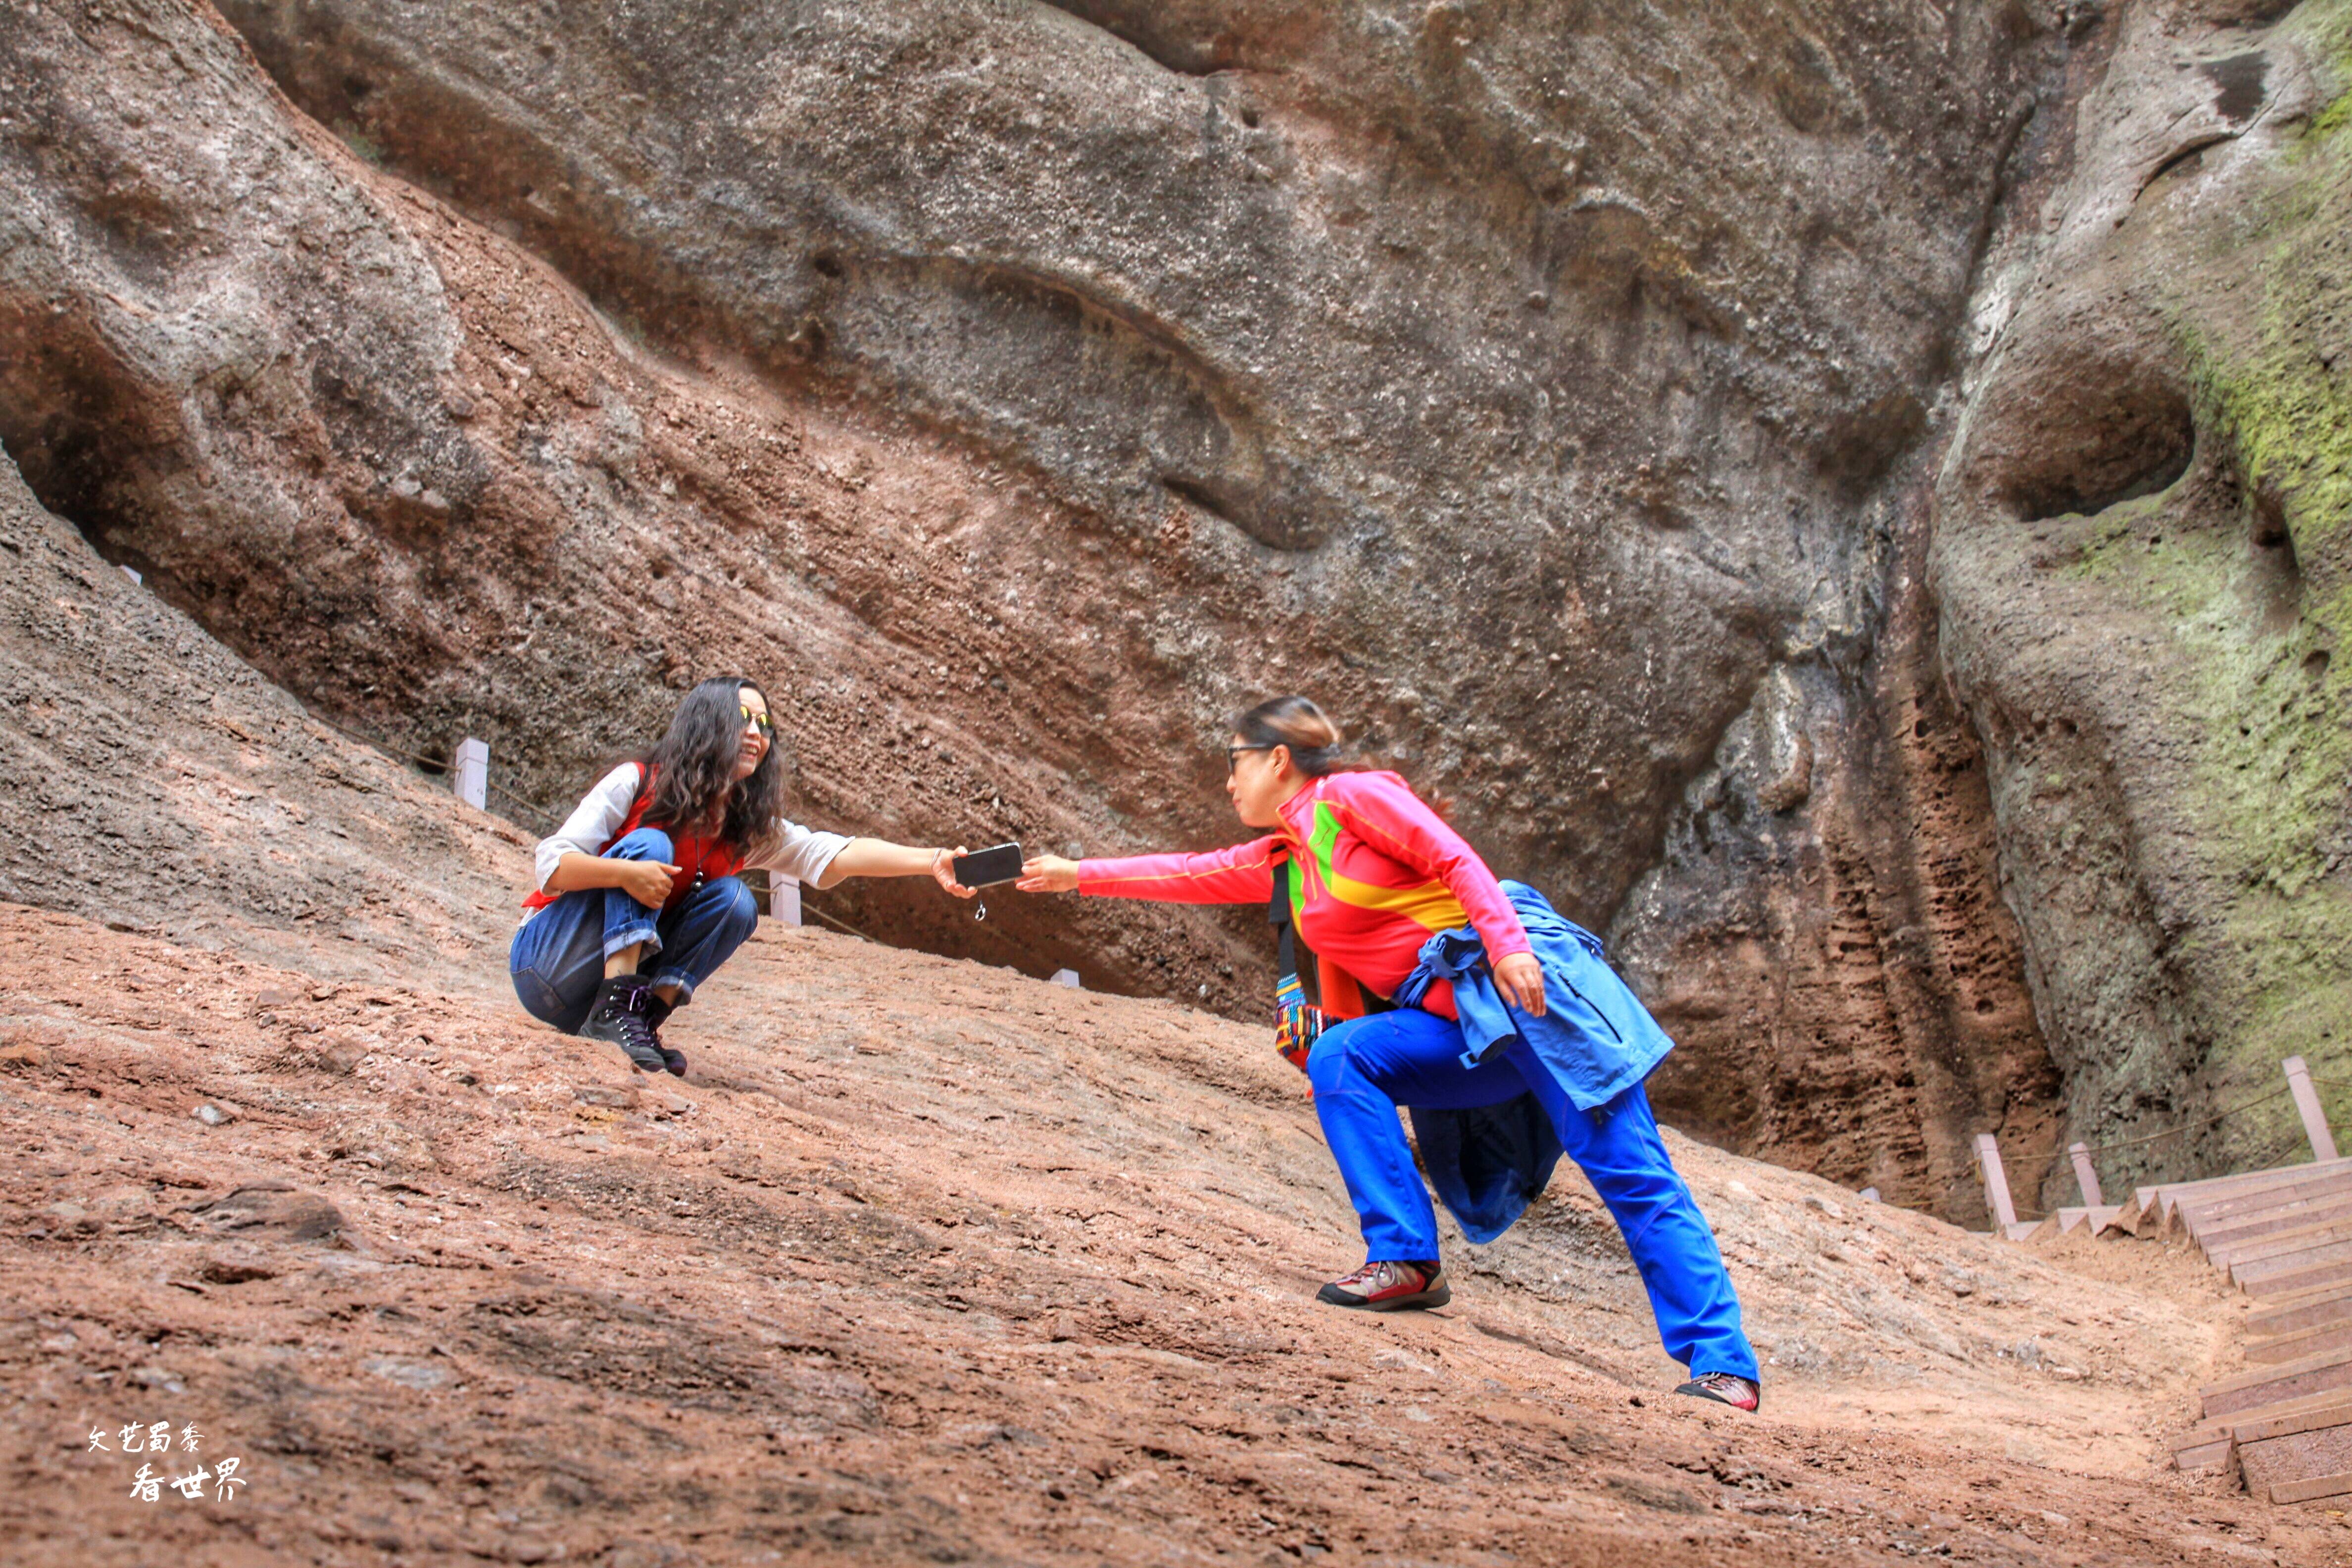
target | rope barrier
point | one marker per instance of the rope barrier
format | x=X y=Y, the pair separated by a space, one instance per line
x=2186 y=1127
x=2285 y=1146
x=426 y=763
x=546 y=814
x=809 y=909
x=2282 y=1147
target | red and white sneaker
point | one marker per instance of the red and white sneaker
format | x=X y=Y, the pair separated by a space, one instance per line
x=1389 y=1288
x=1725 y=1388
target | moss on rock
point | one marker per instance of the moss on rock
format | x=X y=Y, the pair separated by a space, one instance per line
x=2260 y=614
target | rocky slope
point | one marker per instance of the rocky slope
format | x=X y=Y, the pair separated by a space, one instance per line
x=152 y=779
x=931 y=1262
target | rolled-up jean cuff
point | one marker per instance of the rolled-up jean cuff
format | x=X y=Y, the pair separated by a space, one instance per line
x=632 y=937
x=678 y=977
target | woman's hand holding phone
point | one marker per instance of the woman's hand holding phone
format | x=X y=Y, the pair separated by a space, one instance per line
x=1048 y=874
x=943 y=870
x=647 y=881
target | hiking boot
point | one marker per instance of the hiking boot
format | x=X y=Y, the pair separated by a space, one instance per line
x=1389 y=1288
x=657 y=1013
x=1725 y=1388
x=619 y=1017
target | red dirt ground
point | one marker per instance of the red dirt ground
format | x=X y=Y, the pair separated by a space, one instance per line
x=930 y=1262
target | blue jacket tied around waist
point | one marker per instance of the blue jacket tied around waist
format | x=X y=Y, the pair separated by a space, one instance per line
x=1595 y=1038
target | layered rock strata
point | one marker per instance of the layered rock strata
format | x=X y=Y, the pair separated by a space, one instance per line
x=1554 y=391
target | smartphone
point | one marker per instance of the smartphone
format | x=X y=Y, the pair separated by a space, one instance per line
x=987 y=868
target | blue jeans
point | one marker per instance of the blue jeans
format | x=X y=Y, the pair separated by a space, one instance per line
x=558 y=957
x=1363 y=1068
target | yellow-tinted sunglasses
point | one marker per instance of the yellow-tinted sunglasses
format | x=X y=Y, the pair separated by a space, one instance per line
x=767 y=725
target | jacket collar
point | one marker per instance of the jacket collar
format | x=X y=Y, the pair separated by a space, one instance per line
x=1297 y=813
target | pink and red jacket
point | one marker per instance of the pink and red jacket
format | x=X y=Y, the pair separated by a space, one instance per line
x=1377 y=873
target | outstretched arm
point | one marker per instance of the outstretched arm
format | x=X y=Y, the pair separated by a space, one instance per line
x=880 y=858
x=1240 y=875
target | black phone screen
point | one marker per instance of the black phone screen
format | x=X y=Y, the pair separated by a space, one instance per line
x=987 y=868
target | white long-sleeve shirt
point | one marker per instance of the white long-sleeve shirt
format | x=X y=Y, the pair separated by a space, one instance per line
x=802 y=854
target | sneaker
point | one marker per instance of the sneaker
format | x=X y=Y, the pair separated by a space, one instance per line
x=657 y=1013
x=619 y=1017
x=1725 y=1388
x=1389 y=1288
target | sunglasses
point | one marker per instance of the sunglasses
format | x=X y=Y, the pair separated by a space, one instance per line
x=1234 y=755
x=767 y=725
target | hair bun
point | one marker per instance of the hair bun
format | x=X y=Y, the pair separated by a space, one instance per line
x=1297 y=722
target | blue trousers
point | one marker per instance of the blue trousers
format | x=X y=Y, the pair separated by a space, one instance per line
x=1364 y=1068
x=558 y=958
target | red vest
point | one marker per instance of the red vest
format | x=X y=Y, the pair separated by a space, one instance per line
x=697 y=859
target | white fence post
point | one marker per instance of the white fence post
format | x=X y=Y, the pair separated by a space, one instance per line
x=1996 y=1180
x=2306 y=1105
x=785 y=898
x=471 y=776
x=2086 y=1175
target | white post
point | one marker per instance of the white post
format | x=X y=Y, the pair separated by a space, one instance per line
x=2306 y=1104
x=1996 y=1180
x=2086 y=1175
x=785 y=898
x=471 y=777
x=1068 y=977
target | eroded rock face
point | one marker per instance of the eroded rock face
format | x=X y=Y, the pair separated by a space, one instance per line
x=2141 y=560
x=414 y=479
x=1019 y=390
x=1521 y=372
x=1824 y=937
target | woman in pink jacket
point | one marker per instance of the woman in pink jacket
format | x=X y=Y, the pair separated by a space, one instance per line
x=1456 y=996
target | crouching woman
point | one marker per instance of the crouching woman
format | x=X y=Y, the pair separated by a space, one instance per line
x=640 y=894
x=1470 y=1004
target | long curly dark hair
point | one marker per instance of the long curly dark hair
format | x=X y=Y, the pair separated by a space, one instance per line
x=694 y=765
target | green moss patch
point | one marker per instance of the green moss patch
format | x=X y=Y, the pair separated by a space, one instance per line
x=2268 y=761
